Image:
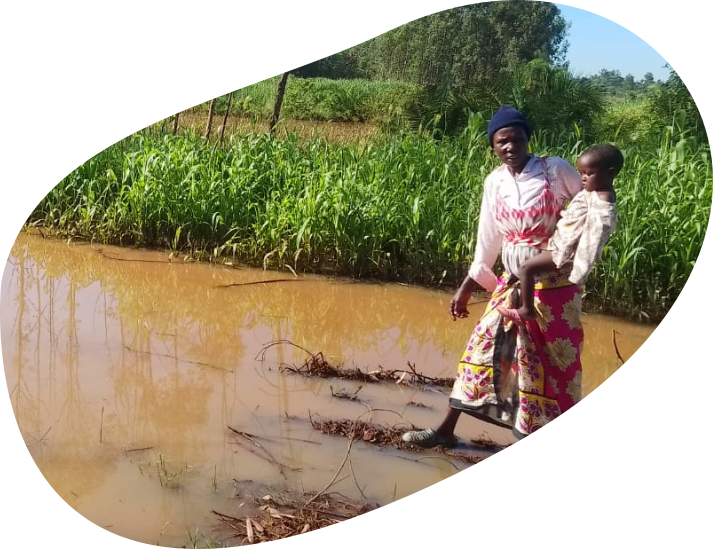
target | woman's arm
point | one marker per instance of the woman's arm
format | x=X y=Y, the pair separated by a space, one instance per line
x=488 y=243
x=487 y=247
x=459 y=303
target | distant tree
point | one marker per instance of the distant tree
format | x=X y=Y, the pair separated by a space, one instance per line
x=618 y=86
x=674 y=105
x=455 y=49
x=629 y=83
x=553 y=100
x=344 y=64
x=609 y=80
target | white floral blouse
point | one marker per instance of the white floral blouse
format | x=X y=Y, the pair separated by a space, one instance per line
x=523 y=196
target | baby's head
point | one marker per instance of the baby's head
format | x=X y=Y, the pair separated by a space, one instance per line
x=599 y=165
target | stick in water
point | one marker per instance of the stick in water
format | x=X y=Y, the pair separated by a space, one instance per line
x=101 y=426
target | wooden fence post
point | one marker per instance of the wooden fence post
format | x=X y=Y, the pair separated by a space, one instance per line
x=225 y=118
x=209 y=125
x=278 y=101
x=175 y=123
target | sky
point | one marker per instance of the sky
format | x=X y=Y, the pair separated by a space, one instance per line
x=597 y=43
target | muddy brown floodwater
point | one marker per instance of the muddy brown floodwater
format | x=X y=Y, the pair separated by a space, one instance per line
x=125 y=371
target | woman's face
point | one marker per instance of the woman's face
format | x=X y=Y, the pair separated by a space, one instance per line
x=510 y=145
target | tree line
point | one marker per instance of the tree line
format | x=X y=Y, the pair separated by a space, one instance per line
x=472 y=59
x=455 y=49
x=475 y=57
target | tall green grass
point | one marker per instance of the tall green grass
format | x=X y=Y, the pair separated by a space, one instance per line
x=403 y=208
x=664 y=203
x=322 y=99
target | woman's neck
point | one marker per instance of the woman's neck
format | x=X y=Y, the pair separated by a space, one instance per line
x=515 y=171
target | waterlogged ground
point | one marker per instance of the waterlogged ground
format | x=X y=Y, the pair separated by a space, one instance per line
x=332 y=131
x=125 y=371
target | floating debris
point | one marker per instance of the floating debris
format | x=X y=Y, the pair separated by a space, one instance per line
x=318 y=366
x=390 y=436
x=341 y=393
x=278 y=518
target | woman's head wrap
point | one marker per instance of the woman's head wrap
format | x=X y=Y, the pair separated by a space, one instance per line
x=506 y=117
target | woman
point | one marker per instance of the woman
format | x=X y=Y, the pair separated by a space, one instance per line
x=516 y=377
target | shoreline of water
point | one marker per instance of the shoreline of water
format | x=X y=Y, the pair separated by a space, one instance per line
x=124 y=376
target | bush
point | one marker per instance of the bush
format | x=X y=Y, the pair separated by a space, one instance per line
x=552 y=99
x=322 y=99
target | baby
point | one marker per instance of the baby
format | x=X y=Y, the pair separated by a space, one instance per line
x=585 y=226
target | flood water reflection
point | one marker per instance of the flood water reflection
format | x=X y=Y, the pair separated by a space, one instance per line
x=125 y=371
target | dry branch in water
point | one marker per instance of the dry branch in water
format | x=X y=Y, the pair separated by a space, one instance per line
x=263 y=452
x=341 y=393
x=386 y=436
x=616 y=347
x=281 y=519
x=129 y=450
x=133 y=260
x=163 y=355
x=318 y=366
x=275 y=519
x=273 y=281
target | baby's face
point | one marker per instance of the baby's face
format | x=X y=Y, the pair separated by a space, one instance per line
x=593 y=176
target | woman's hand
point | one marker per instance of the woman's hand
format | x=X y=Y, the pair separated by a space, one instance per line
x=459 y=305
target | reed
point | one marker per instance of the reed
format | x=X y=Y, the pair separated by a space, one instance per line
x=403 y=207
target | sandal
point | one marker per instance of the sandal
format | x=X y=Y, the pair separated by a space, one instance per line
x=428 y=439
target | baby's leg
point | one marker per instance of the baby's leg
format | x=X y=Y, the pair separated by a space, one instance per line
x=541 y=263
x=526 y=311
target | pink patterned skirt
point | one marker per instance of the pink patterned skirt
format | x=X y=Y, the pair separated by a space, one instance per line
x=523 y=377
